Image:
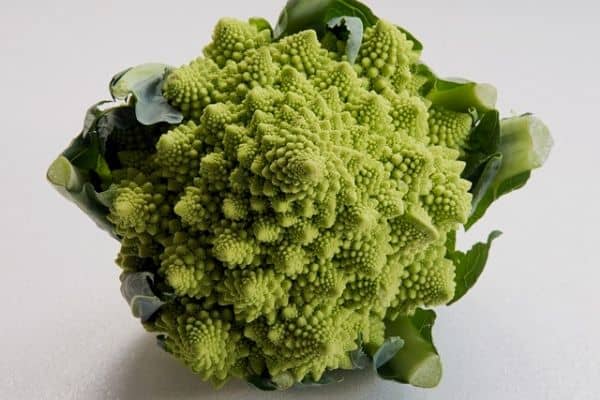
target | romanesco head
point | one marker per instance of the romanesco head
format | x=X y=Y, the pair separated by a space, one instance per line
x=300 y=201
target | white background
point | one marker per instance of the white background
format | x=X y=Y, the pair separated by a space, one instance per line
x=529 y=330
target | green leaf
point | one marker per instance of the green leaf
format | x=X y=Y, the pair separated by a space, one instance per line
x=144 y=84
x=160 y=342
x=483 y=144
x=117 y=119
x=422 y=70
x=323 y=15
x=87 y=150
x=523 y=144
x=84 y=166
x=483 y=161
x=136 y=288
x=151 y=107
x=481 y=189
x=72 y=183
x=469 y=265
x=417 y=45
x=354 y=28
x=122 y=84
x=491 y=193
x=417 y=362
x=360 y=359
x=261 y=24
x=387 y=351
x=300 y=15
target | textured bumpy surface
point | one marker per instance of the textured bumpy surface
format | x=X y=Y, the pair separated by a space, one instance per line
x=301 y=202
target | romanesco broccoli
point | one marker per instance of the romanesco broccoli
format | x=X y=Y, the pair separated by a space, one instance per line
x=292 y=202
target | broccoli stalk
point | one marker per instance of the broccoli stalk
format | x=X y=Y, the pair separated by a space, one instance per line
x=525 y=144
x=417 y=362
x=460 y=97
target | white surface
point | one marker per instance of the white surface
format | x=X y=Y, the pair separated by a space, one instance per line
x=529 y=330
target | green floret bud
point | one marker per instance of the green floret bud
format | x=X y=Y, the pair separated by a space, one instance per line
x=235 y=208
x=385 y=54
x=289 y=259
x=266 y=230
x=427 y=281
x=254 y=293
x=306 y=344
x=409 y=114
x=342 y=77
x=207 y=343
x=177 y=153
x=195 y=208
x=138 y=207
x=449 y=128
x=187 y=267
x=232 y=39
x=412 y=232
x=366 y=253
x=234 y=250
x=191 y=88
x=301 y=51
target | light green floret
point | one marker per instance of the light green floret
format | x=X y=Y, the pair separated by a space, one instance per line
x=214 y=119
x=289 y=259
x=254 y=293
x=177 y=153
x=366 y=253
x=413 y=165
x=449 y=128
x=232 y=39
x=306 y=341
x=234 y=249
x=428 y=281
x=321 y=283
x=235 y=208
x=138 y=207
x=266 y=230
x=187 y=267
x=385 y=56
x=360 y=292
x=206 y=342
x=342 y=77
x=410 y=114
x=373 y=112
x=193 y=87
x=292 y=162
x=301 y=51
x=196 y=208
x=257 y=69
x=390 y=199
x=215 y=171
x=412 y=232
x=448 y=202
